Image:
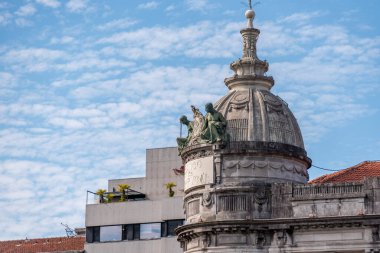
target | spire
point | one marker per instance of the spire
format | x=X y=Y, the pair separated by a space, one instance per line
x=249 y=70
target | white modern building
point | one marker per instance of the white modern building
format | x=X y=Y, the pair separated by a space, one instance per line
x=146 y=221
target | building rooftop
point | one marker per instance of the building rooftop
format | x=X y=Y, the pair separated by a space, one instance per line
x=351 y=174
x=56 y=244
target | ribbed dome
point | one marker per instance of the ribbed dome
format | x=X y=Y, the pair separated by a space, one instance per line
x=258 y=115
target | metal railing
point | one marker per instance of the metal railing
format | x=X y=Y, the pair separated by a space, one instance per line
x=113 y=196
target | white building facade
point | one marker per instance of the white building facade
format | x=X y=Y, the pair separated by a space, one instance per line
x=147 y=220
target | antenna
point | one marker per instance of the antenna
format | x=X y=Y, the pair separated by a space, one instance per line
x=69 y=231
x=250 y=6
x=256 y=3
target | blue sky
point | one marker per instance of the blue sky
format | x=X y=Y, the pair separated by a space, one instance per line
x=87 y=86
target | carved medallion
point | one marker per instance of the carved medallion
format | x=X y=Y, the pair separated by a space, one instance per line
x=206 y=199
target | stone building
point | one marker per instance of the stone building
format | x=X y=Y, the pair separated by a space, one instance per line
x=247 y=192
x=245 y=186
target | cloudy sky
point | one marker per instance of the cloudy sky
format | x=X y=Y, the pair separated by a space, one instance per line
x=87 y=86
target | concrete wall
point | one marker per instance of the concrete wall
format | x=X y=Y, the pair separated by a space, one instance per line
x=160 y=163
x=134 y=212
x=163 y=245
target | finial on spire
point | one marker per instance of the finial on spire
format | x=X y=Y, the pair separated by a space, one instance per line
x=250 y=15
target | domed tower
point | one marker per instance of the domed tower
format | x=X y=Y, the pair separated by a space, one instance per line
x=248 y=142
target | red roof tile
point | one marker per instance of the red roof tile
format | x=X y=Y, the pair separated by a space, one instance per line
x=57 y=244
x=351 y=174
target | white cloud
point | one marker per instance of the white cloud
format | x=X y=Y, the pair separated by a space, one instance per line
x=197 y=4
x=62 y=40
x=85 y=78
x=5 y=18
x=31 y=54
x=170 y=8
x=26 y=10
x=302 y=17
x=67 y=123
x=148 y=5
x=49 y=3
x=202 y=40
x=33 y=59
x=23 y=22
x=7 y=79
x=117 y=24
x=32 y=179
x=76 y=5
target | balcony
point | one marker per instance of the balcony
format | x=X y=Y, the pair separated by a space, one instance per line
x=113 y=197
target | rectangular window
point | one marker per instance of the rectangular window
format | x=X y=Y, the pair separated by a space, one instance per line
x=89 y=235
x=110 y=233
x=96 y=234
x=172 y=225
x=136 y=232
x=127 y=232
x=150 y=231
x=164 y=229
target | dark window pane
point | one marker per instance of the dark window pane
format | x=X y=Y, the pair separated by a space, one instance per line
x=110 y=233
x=164 y=229
x=129 y=232
x=89 y=235
x=96 y=234
x=136 y=232
x=172 y=225
x=150 y=231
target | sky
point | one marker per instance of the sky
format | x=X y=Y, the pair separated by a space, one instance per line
x=87 y=86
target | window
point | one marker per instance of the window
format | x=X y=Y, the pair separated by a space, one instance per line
x=136 y=231
x=172 y=225
x=96 y=234
x=110 y=233
x=150 y=231
x=92 y=234
x=128 y=232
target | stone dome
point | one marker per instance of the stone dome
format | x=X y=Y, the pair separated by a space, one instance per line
x=264 y=143
x=258 y=115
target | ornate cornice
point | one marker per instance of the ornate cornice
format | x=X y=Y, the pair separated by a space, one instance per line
x=271 y=148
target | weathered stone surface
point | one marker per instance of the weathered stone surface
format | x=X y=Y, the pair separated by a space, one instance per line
x=257 y=199
x=258 y=115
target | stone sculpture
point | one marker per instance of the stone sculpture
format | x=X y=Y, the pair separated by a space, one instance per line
x=182 y=142
x=198 y=126
x=203 y=129
x=214 y=127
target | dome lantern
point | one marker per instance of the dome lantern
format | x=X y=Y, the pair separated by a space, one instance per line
x=249 y=70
